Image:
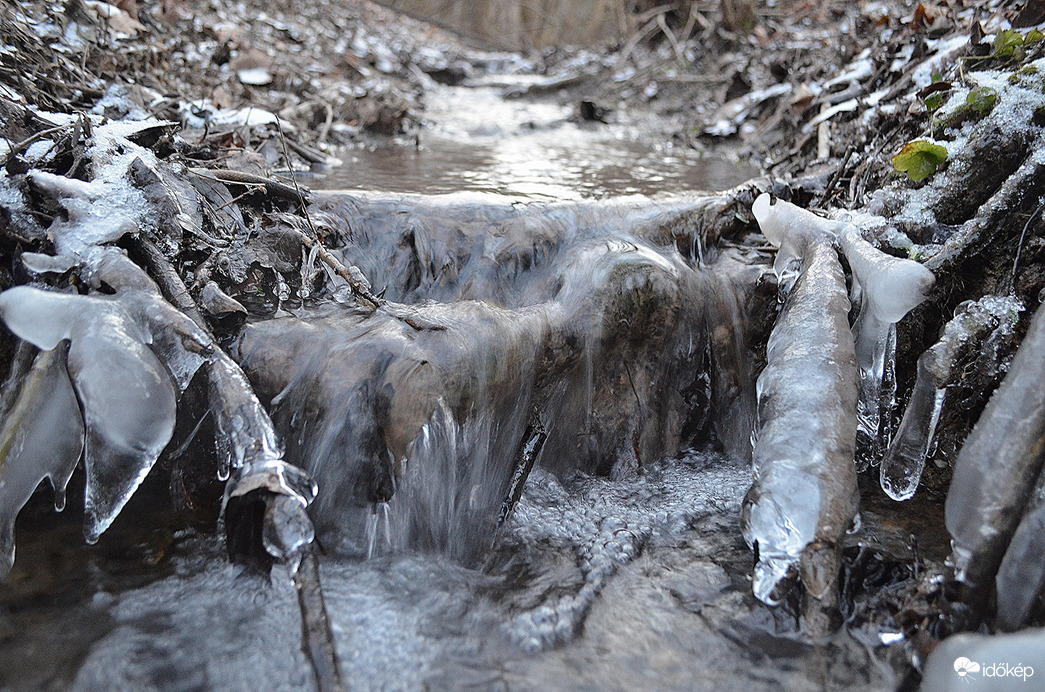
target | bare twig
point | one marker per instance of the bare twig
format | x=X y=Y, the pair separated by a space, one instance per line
x=529 y=449
x=315 y=624
x=1019 y=246
x=679 y=55
x=166 y=277
x=355 y=279
x=273 y=187
x=29 y=141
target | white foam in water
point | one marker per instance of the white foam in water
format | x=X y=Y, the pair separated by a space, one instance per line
x=608 y=523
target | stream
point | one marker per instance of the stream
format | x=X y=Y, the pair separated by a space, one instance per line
x=629 y=577
x=475 y=140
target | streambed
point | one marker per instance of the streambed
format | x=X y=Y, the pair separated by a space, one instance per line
x=642 y=581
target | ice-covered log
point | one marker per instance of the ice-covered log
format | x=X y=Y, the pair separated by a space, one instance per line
x=804 y=497
x=41 y=438
x=888 y=288
x=995 y=472
x=938 y=367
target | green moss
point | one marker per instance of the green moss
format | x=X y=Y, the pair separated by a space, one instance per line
x=982 y=101
x=1028 y=77
x=978 y=105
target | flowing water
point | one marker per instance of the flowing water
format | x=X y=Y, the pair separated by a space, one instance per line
x=622 y=566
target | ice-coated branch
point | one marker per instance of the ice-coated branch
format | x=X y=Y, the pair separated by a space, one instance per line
x=1021 y=577
x=903 y=463
x=996 y=470
x=889 y=287
x=804 y=497
x=789 y=228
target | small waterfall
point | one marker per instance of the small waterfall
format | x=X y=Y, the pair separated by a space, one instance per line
x=625 y=350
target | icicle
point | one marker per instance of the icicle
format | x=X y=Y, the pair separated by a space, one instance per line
x=127 y=394
x=889 y=288
x=42 y=438
x=996 y=469
x=804 y=497
x=129 y=408
x=903 y=464
x=960 y=339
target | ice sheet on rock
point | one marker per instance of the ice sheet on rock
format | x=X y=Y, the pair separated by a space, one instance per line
x=41 y=438
x=889 y=288
x=94 y=214
x=103 y=210
x=804 y=496
x=997 y=467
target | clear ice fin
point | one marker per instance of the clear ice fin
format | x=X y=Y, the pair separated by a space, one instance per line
x=42 y=438
x=129 y=409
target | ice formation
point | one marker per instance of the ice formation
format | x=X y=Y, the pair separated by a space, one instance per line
x=804 y=497
x=47 y=448
x=130 y=354
x=1021 y=577
x=789 y=227
x=996 y=470
x=963 y=335
x=128 y=397
x=889 y=288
